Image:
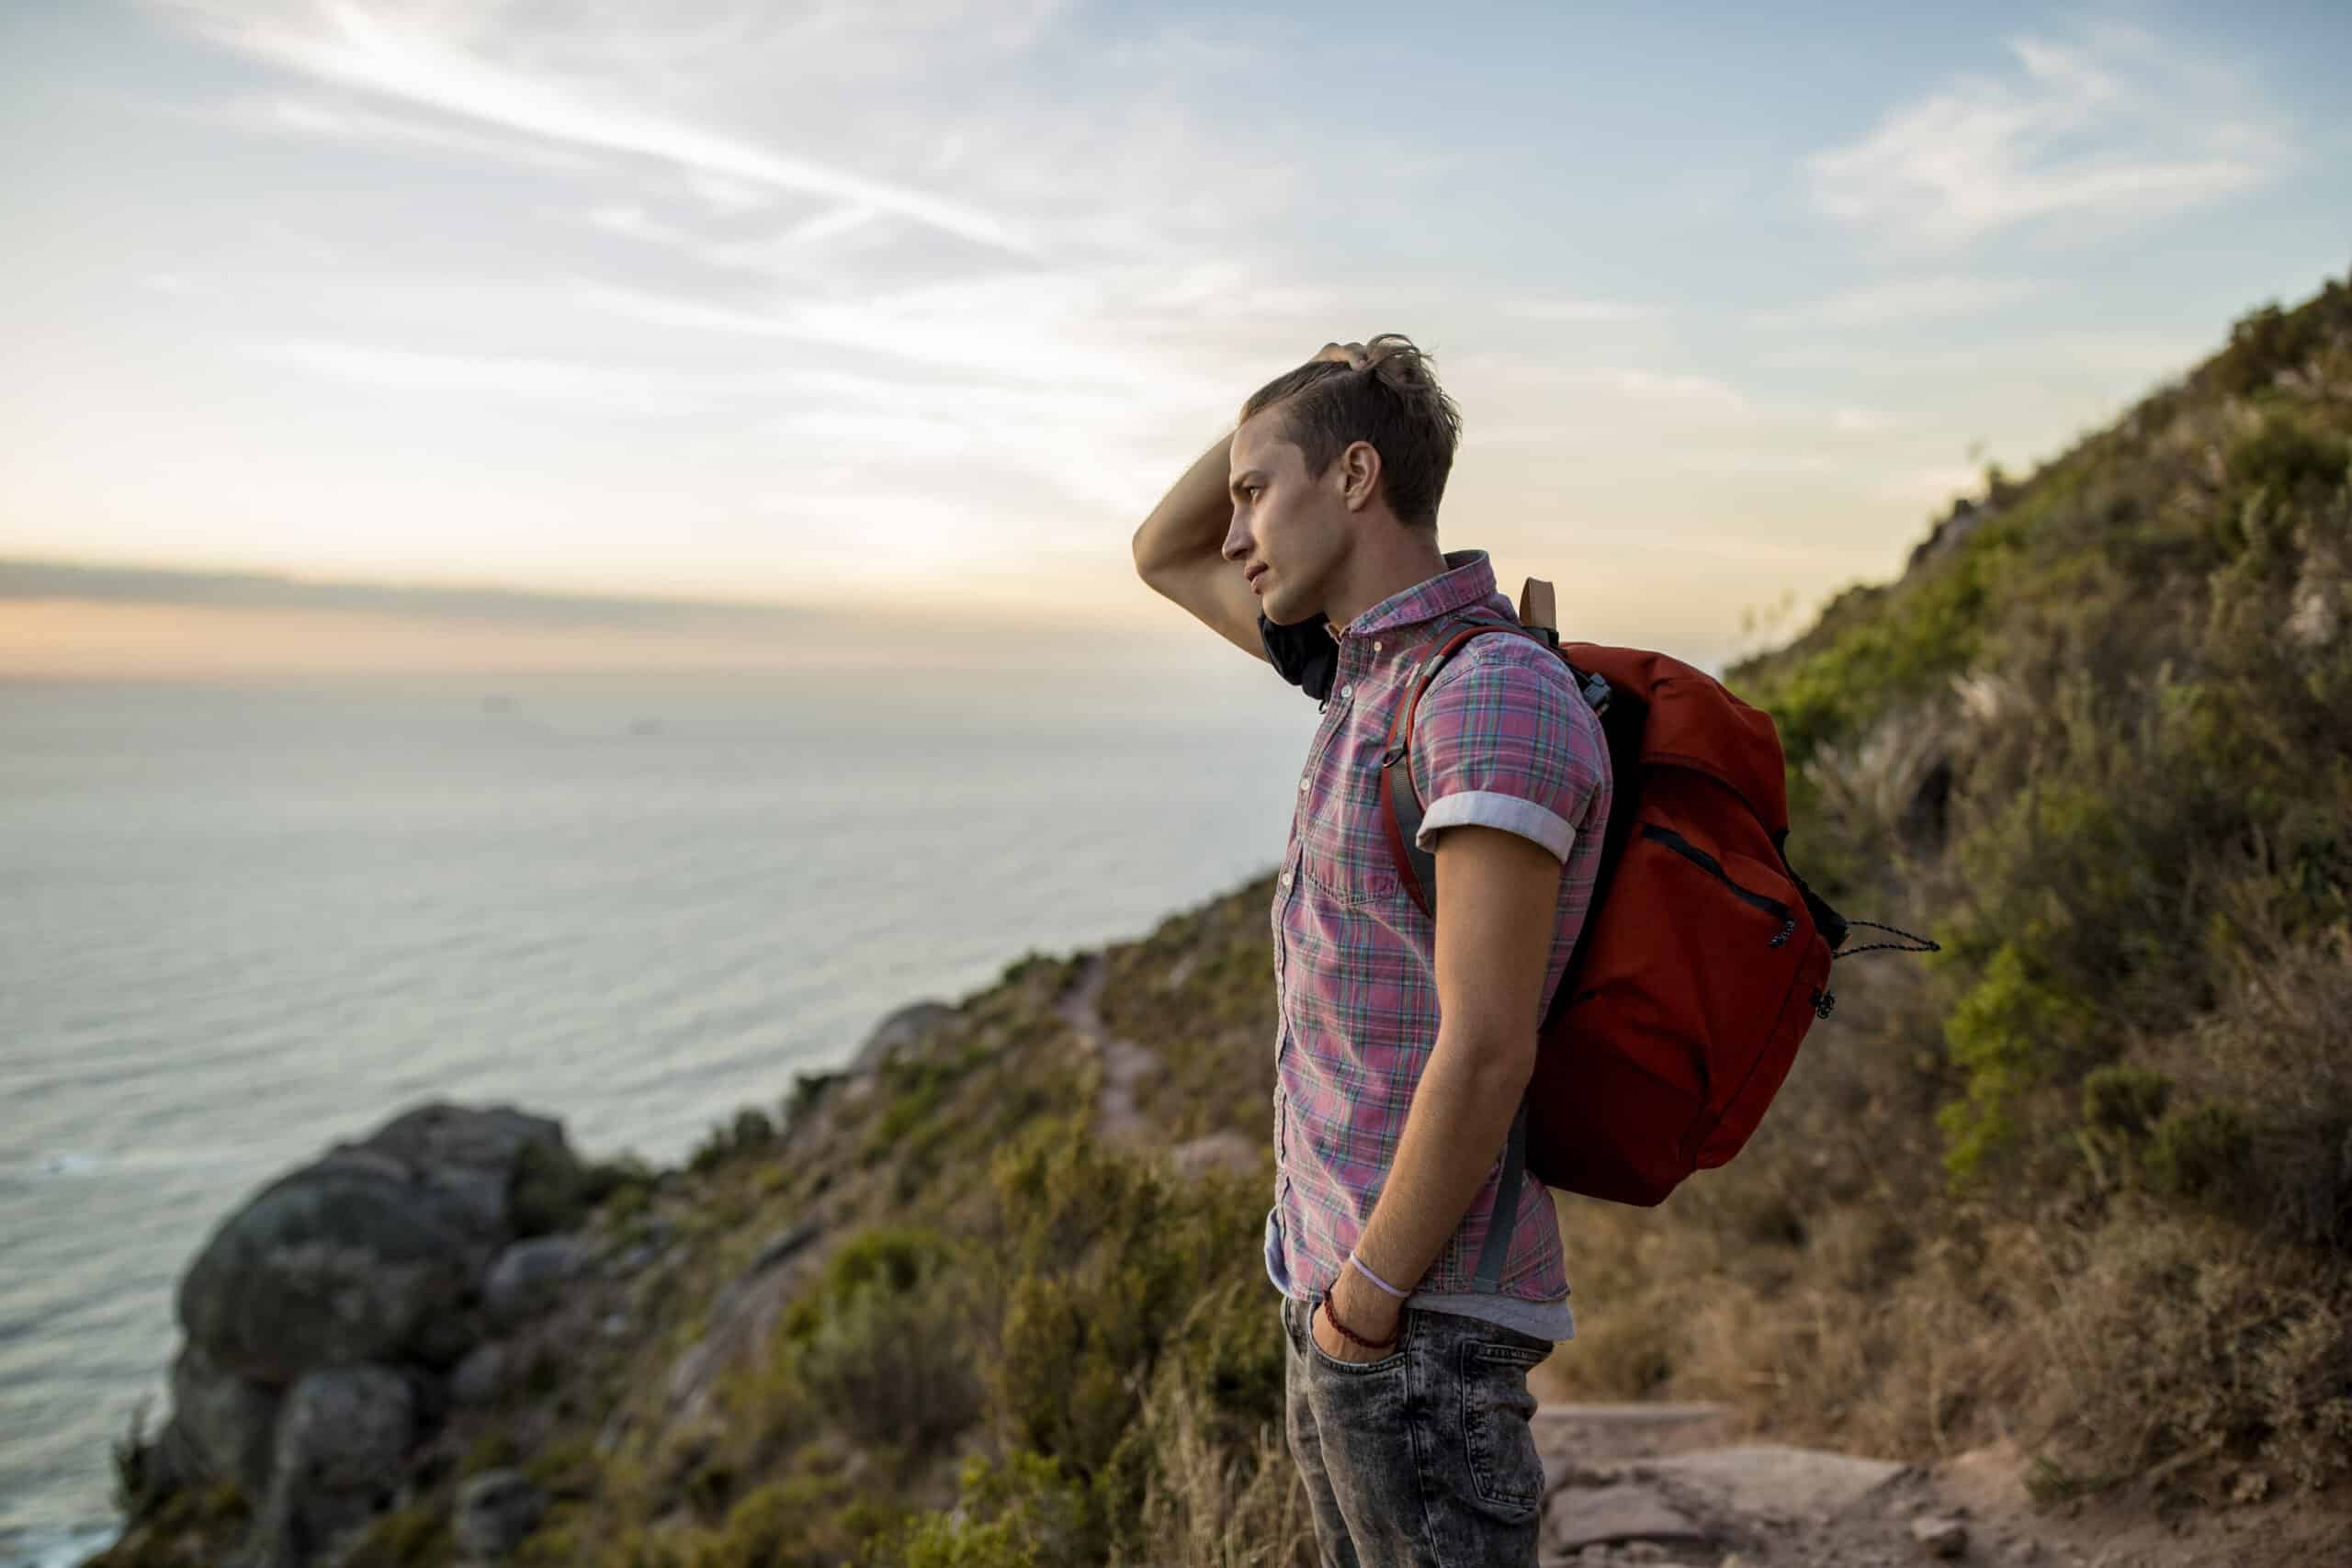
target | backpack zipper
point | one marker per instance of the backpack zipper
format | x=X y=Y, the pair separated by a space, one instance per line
x=1708 y=864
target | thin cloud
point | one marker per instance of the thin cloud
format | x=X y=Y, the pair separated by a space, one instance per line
x=343 y=123
x=30 y=579
x=2110 y=353
x=1865 y=422
x=2113 y=126
x=632 y=221
x=354 y=46
x=1901 y=300
x=643 y=392
x=1586 y=311
x=1031 y=326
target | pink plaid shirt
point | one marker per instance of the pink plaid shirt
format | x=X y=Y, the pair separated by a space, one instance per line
x=1502 y=740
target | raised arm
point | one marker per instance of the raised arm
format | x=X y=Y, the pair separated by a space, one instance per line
x=1179 y=551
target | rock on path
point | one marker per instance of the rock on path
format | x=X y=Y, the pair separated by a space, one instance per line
x=1657 y=1483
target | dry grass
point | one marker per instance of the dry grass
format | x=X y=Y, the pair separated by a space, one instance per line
x=1215 y=1505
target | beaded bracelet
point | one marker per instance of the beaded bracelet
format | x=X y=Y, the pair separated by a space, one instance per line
x=1346 y=1333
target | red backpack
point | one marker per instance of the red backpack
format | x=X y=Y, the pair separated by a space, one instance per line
x=1703 y=958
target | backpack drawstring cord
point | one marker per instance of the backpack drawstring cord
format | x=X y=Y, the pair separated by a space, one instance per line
x=1922 y=943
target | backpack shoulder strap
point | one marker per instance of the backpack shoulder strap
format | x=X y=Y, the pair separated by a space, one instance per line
x=1401 y=814
x=1401 y=811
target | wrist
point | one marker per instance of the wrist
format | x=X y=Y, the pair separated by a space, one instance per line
x=1368 y=1309
x=1355 y=1328
x=1386 y=1287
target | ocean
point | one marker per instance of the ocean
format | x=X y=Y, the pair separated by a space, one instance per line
x=240 y=922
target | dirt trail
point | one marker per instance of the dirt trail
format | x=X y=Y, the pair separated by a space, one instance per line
x=1662 y=1484
x=1125 y=1064
x=1657 y=1484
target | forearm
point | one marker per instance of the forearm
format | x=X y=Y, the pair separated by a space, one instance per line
x=1461 y=1113
x=1191 y=518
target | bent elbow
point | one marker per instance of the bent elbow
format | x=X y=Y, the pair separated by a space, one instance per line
x=1145 y=553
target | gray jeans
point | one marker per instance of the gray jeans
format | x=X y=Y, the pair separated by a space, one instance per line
x=1424 y=1458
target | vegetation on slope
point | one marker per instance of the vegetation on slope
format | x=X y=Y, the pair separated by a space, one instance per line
x=2085 y=1181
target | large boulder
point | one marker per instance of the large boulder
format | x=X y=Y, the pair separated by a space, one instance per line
x=221 y=1427
x=494 y=1511
x=321 y=1315
x=341 y=1261
x=528 y=1277
x=370 y=1252
x=478 y=1158
x=340 y=1440
x=480 y=1379
x=896 y=1033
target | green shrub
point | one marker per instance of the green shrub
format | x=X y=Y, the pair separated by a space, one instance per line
x=884 y=1346
x=2124 y=1102
x=606 y=1181
x=2267 y=340
x=2009 y=1028
x=807 y=1519
x=415 y=1535
x=1020 y=1513
x=2287 y=458
x=547 y=1192
x=1109 y=1270
x=2200 y=1150
x=890 y=1367
x=139 y=1485
x=808 y=1091
x=750 y=1133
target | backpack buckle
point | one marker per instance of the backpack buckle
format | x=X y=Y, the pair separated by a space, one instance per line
x=1394 y=755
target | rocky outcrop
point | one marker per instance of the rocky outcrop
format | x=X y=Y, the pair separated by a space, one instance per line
x=334 y=1317
x=495 y=1510
x=528 y=1276
x=895 y=1033
x=222 y=1424
x=336 y=1460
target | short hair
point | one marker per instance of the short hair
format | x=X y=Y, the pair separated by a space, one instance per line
x=1394 y=402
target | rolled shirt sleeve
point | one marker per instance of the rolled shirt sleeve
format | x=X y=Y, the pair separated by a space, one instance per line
x=1503 y=739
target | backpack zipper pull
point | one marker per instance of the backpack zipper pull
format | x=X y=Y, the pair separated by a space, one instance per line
x=1822 y=1003
x=1787 y=930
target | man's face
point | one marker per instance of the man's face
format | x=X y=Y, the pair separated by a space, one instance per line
x=1295 y=526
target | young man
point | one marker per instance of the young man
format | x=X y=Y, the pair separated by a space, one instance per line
x=1309 y=539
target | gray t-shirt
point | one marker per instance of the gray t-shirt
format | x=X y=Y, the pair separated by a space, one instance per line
x=1544 y=1320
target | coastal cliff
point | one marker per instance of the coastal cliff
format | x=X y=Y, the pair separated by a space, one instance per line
x=2078 y=1195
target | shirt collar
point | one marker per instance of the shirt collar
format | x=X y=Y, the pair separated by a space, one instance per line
x=1468 y=579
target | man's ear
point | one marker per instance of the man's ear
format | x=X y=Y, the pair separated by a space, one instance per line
x=1359 y=468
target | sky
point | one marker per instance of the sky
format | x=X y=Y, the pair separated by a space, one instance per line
x=916 y=309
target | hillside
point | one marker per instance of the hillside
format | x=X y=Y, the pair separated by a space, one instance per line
x=2083 y=1186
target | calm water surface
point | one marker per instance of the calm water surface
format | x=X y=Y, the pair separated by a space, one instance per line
x=236 y=924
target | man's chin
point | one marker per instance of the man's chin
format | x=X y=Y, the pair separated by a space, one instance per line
x=1281 y=613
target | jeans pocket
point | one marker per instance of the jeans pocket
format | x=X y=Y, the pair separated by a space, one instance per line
x=1497 y=1430
x=1329 y=1362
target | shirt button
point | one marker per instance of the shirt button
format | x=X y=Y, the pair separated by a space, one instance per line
x=1285 y=879
x=1301 y=786
x=1375 y=647
x=1348 y=689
